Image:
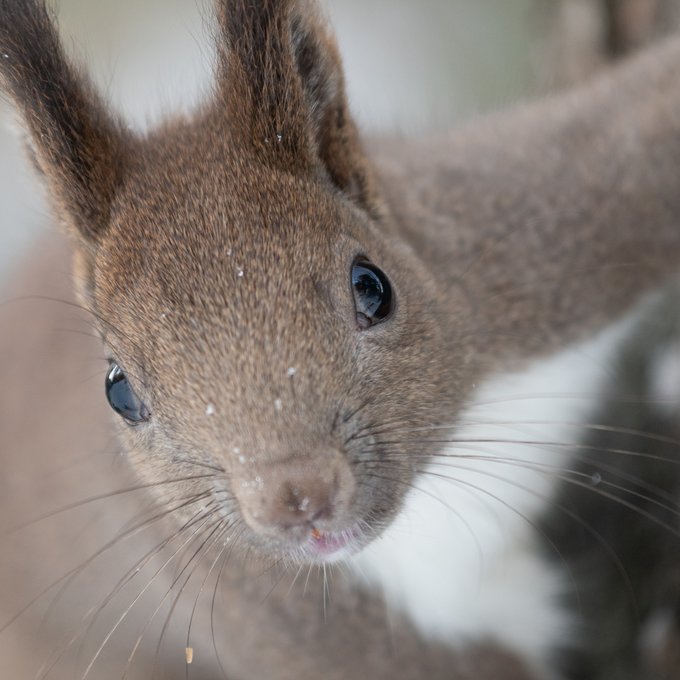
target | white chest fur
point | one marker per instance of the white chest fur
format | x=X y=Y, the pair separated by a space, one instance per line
x=464 y=559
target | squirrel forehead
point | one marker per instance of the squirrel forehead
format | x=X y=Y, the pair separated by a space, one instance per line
x=195 y=236
x=182 y=253
x=186 y=184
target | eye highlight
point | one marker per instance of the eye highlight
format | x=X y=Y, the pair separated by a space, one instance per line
x=373 y=299
x=122 y=397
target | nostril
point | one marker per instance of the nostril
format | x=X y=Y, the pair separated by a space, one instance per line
x=303 y=504
x=323 y=513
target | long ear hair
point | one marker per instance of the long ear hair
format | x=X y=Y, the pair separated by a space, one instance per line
x=76 y=143
x=282 y=90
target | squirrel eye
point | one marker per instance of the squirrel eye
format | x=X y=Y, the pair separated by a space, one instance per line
x=122 y=397
x=372 y=293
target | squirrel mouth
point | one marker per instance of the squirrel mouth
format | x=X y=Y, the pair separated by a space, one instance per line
x=329 y=544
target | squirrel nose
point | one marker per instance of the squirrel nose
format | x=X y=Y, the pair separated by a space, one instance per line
x=295 y=502
x=300 y=502
x=294 y=496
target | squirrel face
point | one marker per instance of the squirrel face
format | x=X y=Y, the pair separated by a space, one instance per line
x=260 y=331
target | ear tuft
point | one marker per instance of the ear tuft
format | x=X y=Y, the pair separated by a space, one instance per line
x=75 y=142
x=259 y=80
x=281 y=81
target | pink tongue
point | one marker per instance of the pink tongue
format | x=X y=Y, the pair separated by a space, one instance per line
x=325 y=544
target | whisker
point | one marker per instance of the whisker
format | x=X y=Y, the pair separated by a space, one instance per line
x=593 y=427
x=543 y=467
x=611 y=397
x=175 y=602
x=599 y=538
x=225 y=561
x=455 y=512
x=100 y=497
x=325 y=592
x=309 y=573
x=566 y=446
x=295 y=578
x=94 y=611
x=136 y=569
x=567 y=476
x=200 y=592
x=216 y=529
x=72 y=573
x=598 y=465
x=620 y=567
x=91 y=312
x=125 y=613
x=201 y=464
x=277 y=580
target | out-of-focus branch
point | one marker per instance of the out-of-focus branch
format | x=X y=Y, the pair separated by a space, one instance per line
x=584 y=36
x=635 y=23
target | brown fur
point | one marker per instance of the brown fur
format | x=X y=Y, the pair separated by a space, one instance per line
x=214 y=255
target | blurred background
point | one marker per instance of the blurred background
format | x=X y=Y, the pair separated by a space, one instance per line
x=411 y=65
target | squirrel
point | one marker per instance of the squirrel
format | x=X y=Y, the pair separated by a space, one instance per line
x=295 y=327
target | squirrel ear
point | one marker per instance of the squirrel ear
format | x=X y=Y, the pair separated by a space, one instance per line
x=73 y=141
x=280 y=78
x=338 y=143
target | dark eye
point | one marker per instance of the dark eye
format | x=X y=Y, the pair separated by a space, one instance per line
x=372 y=293
x=122 y=397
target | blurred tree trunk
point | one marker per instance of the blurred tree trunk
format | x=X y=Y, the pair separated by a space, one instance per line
x=587 y=35
x=631 y=24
